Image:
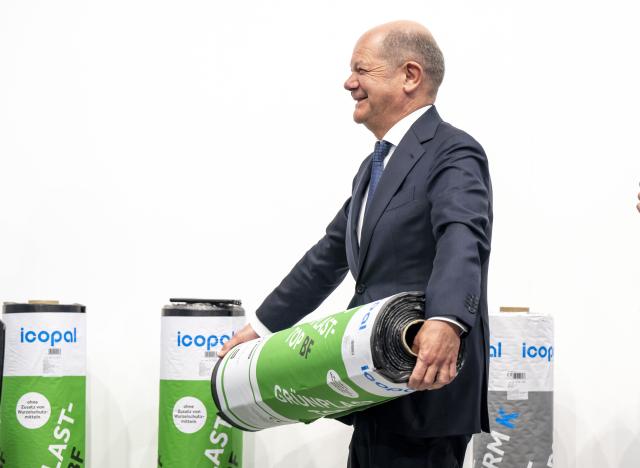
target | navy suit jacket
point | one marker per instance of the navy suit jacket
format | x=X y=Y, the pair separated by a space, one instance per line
x=427 y=228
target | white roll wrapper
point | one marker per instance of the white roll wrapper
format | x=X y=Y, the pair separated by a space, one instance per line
x=520 y=394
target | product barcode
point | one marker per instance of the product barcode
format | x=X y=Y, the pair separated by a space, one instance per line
x=55 y=351
x=210 y=354
x=517 y=375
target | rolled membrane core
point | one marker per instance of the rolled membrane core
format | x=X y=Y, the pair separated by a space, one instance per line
x=393 y=332
x=409 y=333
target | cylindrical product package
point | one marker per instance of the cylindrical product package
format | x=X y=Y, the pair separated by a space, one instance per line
x=191 y=433
x=520 y=394
x=329 y=367
x=42 y=414
x=2 y=335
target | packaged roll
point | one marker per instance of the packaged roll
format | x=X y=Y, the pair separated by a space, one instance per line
x=520 y=394
x=44 y=387
x=191 y=433
x=329 y=367
x=2 y=335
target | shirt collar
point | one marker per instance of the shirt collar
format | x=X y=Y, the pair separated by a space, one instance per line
x=400 y=129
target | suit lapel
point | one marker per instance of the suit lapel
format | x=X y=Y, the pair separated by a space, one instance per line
x=405 y=156
x=354 y=214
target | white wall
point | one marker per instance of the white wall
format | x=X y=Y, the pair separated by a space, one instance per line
x=150 y=149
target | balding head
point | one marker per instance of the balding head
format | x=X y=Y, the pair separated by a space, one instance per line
x=396 y=68
x=404 y=41
x=408 y=40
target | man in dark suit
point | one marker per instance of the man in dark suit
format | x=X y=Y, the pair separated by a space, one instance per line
x=419 y=219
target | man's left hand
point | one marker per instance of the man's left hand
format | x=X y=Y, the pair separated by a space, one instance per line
x=436 y=344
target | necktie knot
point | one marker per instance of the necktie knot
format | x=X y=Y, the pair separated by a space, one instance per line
x=381 y=150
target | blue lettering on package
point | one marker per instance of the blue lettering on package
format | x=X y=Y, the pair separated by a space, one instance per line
x=365 y=318
x=200 y=341
x=495 y=351
x=363 y=322
x=537 y=352
x=382 y=385
x=51 y=337
x=507 y=420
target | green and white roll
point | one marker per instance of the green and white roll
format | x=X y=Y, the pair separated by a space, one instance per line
x=191 y=434
x=329 y=367
x=42 y=415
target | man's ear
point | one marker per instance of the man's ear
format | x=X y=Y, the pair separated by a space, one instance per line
x=413 y=76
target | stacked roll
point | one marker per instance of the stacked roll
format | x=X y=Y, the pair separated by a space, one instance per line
x=191 y=433
x=520 y=394
x=2 y=337
x=44 y=385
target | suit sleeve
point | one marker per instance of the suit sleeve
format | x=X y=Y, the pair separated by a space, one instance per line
x=459 y=190
x=311 y=280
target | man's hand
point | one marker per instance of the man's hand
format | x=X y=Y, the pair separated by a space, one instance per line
x=436 y=344
x=246 y=333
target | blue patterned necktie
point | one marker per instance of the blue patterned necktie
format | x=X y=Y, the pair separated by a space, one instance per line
x=377 y=166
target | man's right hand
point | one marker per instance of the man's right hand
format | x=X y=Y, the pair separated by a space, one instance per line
x=246 y=333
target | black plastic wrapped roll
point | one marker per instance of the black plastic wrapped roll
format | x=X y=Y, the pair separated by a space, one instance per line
x=394 y=329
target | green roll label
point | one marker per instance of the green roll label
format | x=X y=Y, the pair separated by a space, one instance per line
x=42 y=416
x=191 y=433
x=315 y=369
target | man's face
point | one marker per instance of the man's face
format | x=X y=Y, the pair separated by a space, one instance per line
x=376 y=86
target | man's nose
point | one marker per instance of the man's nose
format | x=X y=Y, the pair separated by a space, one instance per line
x=351 y=83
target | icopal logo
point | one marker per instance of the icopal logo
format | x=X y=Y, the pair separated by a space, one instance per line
x=51 y=337
x=365 y=319
x=541 y=352
x=200 y=341
x=363 y=322
x=495 y=351
x=382 y=385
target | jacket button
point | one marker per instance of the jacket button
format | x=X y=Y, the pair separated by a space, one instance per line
x=360 y=288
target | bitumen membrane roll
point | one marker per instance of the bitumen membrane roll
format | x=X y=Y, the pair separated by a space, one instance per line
x=2 y=337
x=44 y=385
x=191 y=433
x=329 y=367
x=520 y=394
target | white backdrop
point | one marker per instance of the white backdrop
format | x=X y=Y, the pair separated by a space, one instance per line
x=150 y=149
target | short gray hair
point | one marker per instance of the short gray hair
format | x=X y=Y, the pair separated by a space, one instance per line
x=399 y=47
